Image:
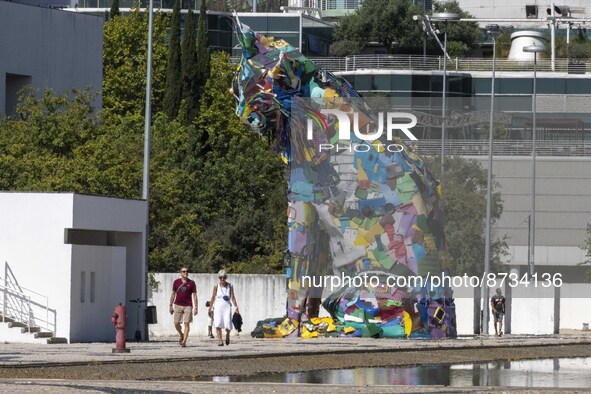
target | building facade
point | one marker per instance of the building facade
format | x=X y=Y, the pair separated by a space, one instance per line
x=47 y=48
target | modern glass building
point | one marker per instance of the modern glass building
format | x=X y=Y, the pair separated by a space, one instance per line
x=564 y=111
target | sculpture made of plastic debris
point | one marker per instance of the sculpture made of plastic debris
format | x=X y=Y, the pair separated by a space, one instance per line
x=365 y=230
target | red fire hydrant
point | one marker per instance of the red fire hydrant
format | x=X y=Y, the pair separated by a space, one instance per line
x=119 y=320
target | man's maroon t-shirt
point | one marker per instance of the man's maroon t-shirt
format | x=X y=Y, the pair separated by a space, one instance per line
x=185 y=290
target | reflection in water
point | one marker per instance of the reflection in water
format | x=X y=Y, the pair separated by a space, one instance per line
x=558 y=373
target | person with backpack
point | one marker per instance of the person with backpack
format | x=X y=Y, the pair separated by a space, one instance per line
x=497 y=304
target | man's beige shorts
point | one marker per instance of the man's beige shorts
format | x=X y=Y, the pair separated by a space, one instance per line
x=182 y=314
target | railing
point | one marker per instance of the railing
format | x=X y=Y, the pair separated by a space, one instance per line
x=25 y=305
x=430 y=63
x=503 y=148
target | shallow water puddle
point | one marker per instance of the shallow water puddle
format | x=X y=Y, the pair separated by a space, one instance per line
x=558 y=373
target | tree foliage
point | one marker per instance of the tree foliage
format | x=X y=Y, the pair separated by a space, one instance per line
x=245 y=207
x=464 y=210
x=114 y=9
x=173 y=88
x=190 y=85
x=217 y=194
x=390 y=23
x=125 y=42
x=56 y=143
x=345 y=48
x=462 y=37
x=202 y=48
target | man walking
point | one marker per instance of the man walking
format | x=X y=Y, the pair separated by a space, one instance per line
x=183 y=301
x=497 y=304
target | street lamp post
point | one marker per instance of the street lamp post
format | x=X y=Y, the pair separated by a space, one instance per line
x=147 y=124
x=535 y=49
x=444 y=17
x=494 y=31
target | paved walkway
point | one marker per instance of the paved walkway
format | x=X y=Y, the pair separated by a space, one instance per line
x=243 y=347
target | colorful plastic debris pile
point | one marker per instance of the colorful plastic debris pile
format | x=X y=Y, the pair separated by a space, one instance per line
x=364 y=208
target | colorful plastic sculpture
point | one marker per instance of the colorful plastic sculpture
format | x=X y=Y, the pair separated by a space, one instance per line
x=358 y=206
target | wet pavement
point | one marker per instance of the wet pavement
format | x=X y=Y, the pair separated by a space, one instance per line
x=162 y=366
x=243 y=346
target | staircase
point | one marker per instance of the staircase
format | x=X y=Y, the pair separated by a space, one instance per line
x=25 y=316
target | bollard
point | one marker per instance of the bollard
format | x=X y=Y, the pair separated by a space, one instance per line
x=119 y=320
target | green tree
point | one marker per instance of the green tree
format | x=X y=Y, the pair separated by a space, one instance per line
x=57 y=143
x=190 y=88
x=345 y=48
x=175 y=236
x=124 y=63
x=173 y=87
x=242 y=197
x=202 y=48
x=388 y=22
x=464 y=211
x=462 y=37
x=114 y=9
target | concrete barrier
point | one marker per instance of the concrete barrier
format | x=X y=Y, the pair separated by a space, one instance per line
x=258 y=296
x=264 y=296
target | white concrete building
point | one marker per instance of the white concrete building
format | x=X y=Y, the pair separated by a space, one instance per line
x=521 y=9
x=84 y=254
x=48 y=48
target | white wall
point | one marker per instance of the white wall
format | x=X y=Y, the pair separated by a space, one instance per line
x=92 y=308
x=57 y=49
x=575 y=306
x=125 y=220
x=263 y=296
x=32 y=241
x=259 y=297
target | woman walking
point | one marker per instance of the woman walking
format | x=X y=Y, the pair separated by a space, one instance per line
x=221 y=303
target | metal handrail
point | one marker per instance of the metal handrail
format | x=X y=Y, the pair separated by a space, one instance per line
x=435 y=63
x=20 y=306
x=431 y=63
x=503 y=148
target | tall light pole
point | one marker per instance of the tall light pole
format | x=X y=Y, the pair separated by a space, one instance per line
x=535 y=49
x=494 y=31
x=444 y=17
x=148 y=111
x=146 y=178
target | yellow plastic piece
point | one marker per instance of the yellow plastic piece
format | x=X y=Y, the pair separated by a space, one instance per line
x=379 y=146
x=348 y=330
x=429 y=243
x=360 y=241
x=308 y=334
x=407 y=324
x=419 y=204
x=361 y=174
x=275 y=333
x=370 y=235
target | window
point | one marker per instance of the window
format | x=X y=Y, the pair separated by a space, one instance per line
x=92 y=286
x=14 y=83
x=531 y=11
x=83 y=287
